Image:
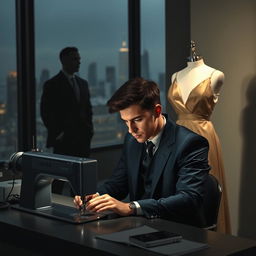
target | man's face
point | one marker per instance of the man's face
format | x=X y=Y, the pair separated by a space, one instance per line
x=71 y=63
x=142 y=124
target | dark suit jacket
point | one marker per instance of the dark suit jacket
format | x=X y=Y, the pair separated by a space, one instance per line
x=63 y=114
x=179 y=168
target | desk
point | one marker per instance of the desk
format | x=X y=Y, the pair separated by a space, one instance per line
x=27 y=234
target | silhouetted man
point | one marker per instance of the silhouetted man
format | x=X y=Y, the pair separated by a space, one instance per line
x=66 y=108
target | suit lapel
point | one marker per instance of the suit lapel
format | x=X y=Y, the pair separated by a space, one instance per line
x=134 y=159
x=66 y=86
x=163 y=153
x=78 y=82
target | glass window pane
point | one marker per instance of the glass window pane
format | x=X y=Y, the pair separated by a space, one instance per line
x=153 y=43
x=8 y=80
x=100 y=31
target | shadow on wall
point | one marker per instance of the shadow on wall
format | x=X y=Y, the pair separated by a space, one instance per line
x=247 y=204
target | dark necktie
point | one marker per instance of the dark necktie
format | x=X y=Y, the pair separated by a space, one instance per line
x=148 y=156
x=145 y=166
x=75 y=88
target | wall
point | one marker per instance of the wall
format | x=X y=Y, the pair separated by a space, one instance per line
x=225 y=35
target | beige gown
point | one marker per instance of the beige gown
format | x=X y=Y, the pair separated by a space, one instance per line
x=195 y=114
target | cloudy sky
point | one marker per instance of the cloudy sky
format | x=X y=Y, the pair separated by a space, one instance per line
x=96 y=27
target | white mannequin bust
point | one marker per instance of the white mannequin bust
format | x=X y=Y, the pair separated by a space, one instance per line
x=195 y=73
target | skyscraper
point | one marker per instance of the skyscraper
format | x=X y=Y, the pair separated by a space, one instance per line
x=12 y=94
x=123 y=73
x=92 y=74
x=111 y=78
x=2 y=117
x=145 y=65
x=2 y=93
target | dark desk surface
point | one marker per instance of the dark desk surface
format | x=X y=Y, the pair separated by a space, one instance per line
x=29 y=234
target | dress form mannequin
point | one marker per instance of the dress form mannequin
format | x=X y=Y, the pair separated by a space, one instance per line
x=196 y=72
x=193 y=94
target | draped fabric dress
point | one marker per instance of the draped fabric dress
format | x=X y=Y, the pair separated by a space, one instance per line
x=195 y=114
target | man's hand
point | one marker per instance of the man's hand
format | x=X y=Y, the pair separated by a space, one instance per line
x=78 y=201
x=104 y=203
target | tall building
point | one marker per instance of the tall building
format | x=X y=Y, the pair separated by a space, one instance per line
x=123 y=73
x=101 y=92
x=2 y=117
x=2 y=93
x=111 y=78
x=145 y=65
x=11 y=94
x=92 y=75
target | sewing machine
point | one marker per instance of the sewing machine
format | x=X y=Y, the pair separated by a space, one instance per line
x=40 y=169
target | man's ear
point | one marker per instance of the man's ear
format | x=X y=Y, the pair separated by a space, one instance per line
x=158 y=110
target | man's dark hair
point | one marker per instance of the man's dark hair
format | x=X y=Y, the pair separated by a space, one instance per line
x=66 y=51
x=135 y=91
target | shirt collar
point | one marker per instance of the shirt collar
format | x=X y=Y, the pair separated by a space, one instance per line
x=67 y=75
x=157 y=138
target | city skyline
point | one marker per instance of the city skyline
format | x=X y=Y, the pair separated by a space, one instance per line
x=101 y=91
x=95 y=78
x=117 y=78
x=96 y=42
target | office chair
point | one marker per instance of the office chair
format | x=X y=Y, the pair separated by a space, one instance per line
x=211 y=202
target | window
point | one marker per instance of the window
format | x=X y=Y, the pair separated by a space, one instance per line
x=99 y=29
x=153 y=43
x=8 y=80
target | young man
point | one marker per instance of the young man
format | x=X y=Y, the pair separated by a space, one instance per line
x=171 y=185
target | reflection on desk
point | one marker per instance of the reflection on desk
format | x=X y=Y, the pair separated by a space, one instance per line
x=38 y=235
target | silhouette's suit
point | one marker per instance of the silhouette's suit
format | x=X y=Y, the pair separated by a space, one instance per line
x=69 y=122
x=177 y=174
